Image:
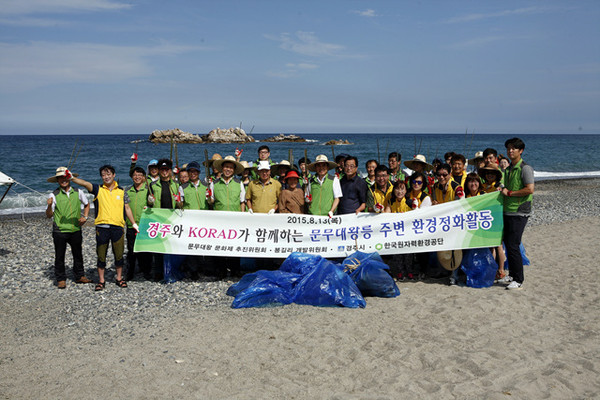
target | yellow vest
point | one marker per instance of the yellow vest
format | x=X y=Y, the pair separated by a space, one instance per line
x=110 y=205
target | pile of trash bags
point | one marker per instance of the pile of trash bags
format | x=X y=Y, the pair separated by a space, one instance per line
x=313 y=280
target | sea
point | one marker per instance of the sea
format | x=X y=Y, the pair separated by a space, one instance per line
x=31 y=159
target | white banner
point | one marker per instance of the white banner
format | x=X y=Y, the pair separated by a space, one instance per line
x=469 y=223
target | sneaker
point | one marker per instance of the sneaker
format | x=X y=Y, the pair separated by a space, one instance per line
x=62 y=284
x=506 y=279
x=514 y=285
x=452 y=281
x=400 y=277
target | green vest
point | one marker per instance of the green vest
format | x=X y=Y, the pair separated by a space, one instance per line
x=194 y=197
x=322 y=196
x=138 y=199
x=67 y=211
x=398 y=176
x=157 y=190
x=513 y=179
x=227 y=196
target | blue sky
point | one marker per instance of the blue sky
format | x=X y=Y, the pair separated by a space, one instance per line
x=118 y=66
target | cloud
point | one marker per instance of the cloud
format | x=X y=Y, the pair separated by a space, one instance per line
x=33 y=22
x=366 y=13
x=36 y=64
x=24 y=7
x=292 y=70
x=499 y=14
x=306 y=43
x=476 y=42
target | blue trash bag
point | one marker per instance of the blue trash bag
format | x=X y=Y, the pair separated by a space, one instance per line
x=480 y=267
x=525 y=258
x=371 y=276
x=300 y=263
x=264 y=289
x=172 y=267
x=327 y=285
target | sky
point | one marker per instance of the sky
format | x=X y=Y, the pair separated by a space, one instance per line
x=327 y=66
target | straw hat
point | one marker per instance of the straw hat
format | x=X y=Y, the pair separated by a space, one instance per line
x=245 y=164
x=60 y=171
x=218 y=164
x=494 y=168
x=419 y=158
x=450 y=259
x=214 y=158
x=321 y=158
x=474 y=160
x=283 y=163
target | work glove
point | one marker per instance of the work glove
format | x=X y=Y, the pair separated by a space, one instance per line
x=134 y=157
x=378 y=207
x=176 y=170
x=330 y=214
x=136 y=227
x=68 y=174
x=237 y=152
x=271 y=211
x=460 y=193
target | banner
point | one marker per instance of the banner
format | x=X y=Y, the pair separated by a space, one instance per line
x=463 y=224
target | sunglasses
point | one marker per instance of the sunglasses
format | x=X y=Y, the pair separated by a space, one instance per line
x=417 y=182
x=442 y=175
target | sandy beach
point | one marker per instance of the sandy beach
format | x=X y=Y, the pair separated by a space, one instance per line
x=183 y=340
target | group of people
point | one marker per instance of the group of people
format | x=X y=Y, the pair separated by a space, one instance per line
x=321 y=187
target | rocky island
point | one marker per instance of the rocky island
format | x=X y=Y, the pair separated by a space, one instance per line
x=284 y=138
x=231 y=135
x=339 y=142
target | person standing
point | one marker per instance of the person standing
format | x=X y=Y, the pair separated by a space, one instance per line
x=381 y=190
x=323 y=191
x=263 y=193
x=395 y=173
x=518 y=197
x=64 y=205
x=354 y=189
x=291 y=199
x=194 y=192
x=109 y=202
x=137 y=197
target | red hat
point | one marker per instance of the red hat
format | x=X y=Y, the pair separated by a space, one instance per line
x=291 y=174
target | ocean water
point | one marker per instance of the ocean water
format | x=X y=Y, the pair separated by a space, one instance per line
x=30 y=160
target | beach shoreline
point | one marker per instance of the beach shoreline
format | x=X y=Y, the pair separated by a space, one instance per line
x=183 y=340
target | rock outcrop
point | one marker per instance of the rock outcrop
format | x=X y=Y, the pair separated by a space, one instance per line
x=231 y=135
x=339 y=142
x=284 y=138
x=177 y=134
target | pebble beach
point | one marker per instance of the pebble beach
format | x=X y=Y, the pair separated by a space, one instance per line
x=183 y=340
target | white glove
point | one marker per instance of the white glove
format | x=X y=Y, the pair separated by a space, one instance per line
x=271 y=211
x=330 y=214
x=136 y=227
x=250 y=211
x=151 y=199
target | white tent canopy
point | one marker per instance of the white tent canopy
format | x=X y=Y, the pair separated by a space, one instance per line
x=6 y=180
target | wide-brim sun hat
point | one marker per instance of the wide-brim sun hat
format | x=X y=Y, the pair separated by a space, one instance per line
x=478 y=157
x=490 y=167
x=246 y=164
x=321 y=158
x=283 y=163
x=218 y=164
x=450 y=259
x=214 y=158
x=419 y=158
x=60 y=171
